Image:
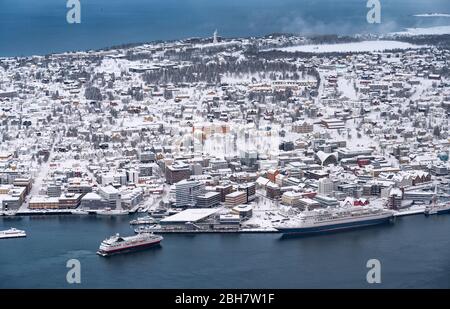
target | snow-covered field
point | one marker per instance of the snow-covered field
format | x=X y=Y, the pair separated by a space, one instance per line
x=425 y=31
x=433 y=15
x=364 y=46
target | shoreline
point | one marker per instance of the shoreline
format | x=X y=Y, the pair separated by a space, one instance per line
x=342 y=39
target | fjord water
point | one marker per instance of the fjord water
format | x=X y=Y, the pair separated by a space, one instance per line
x=414 y=253
x=30 y=27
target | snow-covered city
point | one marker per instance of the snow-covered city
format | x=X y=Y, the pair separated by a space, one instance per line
x=229 y=135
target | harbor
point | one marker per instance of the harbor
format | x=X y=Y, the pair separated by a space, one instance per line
x=39 y=260
x=200 y=231
x=213 y=220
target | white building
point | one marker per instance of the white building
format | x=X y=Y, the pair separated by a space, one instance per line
x=187 y=191
x=111 y=195
x=326 y=186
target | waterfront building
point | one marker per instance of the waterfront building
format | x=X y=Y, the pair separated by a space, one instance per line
x=132 y=197
x=111 y=195
x=208 y=200
x=230 y=220
x=93 y=201
x=23 y=182
x=235 y=198
x=43 y=202
x=187 y=191
x=244 y=211
x=192 y=216
x=69 y=200
x=395 y=198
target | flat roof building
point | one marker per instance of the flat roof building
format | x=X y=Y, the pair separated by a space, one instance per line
x=236 y=198
x=193 y=215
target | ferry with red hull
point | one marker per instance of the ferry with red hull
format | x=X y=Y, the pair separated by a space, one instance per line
x=118 y=244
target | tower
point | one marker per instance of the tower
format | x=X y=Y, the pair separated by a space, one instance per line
x=215 y=37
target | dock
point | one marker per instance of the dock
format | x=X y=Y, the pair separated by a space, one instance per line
x=211 y=231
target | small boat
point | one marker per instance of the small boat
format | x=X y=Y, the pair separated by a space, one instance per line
x=12 y=233
x=10 y=213
x=79 y=212
x=173 y=211
x=112 y=212
x=143 y=210
x=143 y=220
x=145 y=229
x=159 y=213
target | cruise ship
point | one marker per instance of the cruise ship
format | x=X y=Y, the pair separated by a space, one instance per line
x=333 y=220
x=438 y=209
x=12 y=233
x=118 y=244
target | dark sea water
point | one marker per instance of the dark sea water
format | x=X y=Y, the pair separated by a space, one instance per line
x=39 y=27
x=414 y=253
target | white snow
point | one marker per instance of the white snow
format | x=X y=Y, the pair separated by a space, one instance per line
x=425 y=31
x=433 y=15
x=364 y=46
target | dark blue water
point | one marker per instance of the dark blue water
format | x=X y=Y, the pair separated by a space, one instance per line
x=39 y=27
x=414 y=253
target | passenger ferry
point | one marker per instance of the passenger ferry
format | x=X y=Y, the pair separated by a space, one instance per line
x=118 y=244
x=12 y=233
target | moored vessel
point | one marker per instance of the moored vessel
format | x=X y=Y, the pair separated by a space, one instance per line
x=80 y=211
x=143 y=220
x=334 y=220
x=112 y=212
x=437 y=209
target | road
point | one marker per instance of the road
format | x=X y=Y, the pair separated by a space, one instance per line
x=37 y=182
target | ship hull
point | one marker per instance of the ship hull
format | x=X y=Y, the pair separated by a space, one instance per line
x=438 y=212
x=332 y=228
x=12 y=236
x=444 y=211
x=128 y=249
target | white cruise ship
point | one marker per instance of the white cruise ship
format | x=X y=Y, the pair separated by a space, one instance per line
x=118 y=244
x=12 y=233
x=333 y=220
x=438 y=209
